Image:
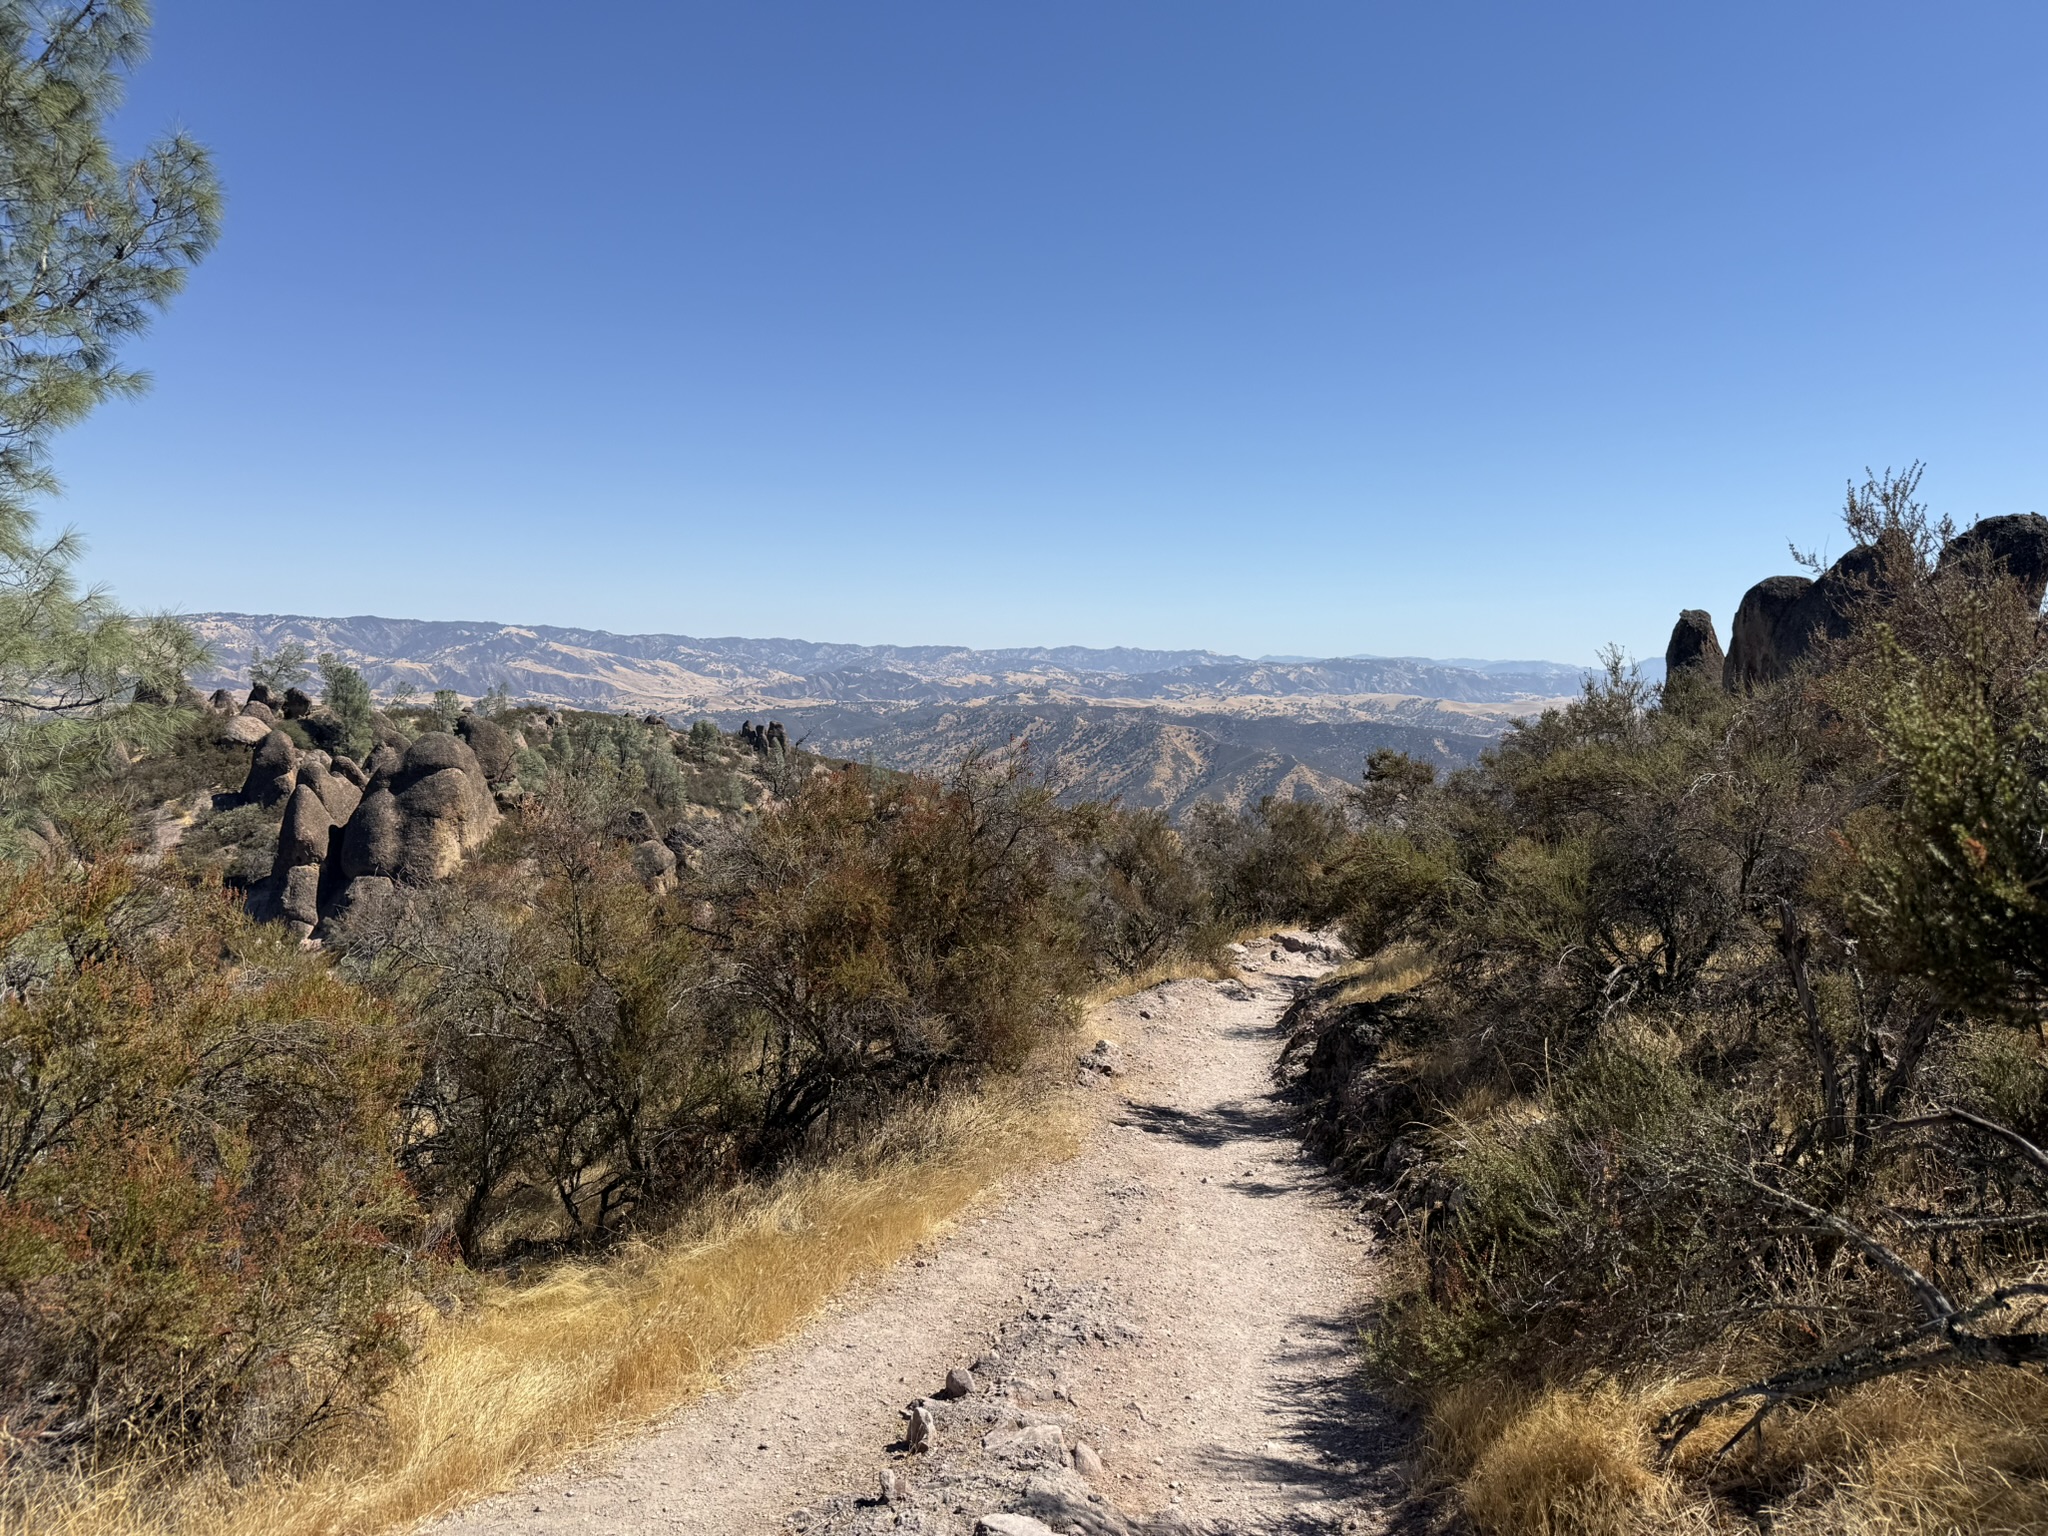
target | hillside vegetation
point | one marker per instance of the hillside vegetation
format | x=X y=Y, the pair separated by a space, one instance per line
x=1708 y=1127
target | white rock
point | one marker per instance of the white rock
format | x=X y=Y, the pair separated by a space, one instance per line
x=893 y=1487
x=959 y=1383
x=923 y=1430
x=1012 y=1525
x=1086 y=1460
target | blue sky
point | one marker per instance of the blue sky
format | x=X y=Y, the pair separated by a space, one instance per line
x=1307 y=328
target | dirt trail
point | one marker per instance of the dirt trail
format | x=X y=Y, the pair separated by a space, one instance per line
x=1182 y=1295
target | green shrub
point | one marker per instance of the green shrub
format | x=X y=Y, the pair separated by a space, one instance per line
x=203 y=1237
x=1138 y=897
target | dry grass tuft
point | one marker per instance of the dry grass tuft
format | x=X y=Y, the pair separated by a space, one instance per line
x=1570 y=1464
x=1178 y=967
x=1950 y=1455
x=1393 y=969
x=536 y=1372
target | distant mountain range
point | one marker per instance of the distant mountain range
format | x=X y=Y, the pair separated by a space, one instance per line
x=1163 y=728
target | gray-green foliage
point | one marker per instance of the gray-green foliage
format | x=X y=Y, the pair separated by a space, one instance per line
x=635 y=759
x=90 y=248
x=447 y=708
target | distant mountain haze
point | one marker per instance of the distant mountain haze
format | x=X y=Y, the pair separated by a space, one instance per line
x=1154 y=728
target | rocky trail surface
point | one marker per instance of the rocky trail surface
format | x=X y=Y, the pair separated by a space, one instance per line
x=1157 y=1335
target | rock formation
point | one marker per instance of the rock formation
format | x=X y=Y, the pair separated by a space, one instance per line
x=421 y=815
x=2016 y=544
x=1694 y=645
x=763 y=738
x=494 y=748
x=1754 y=653
x=1784 y=620
x=352 y=836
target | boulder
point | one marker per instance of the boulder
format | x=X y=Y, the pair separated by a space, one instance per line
x=273 y=772
x=1694 y=646
x=1754 y=653
x=308 y=826
x=493 y=747
x=300 y=895
x=654 y=863
x=435 y=752
x=242 y=731
x=2016 y=544
x=340 y=793
x=374 y=841
x=296 y=704
x=259 y=693
x=348 y=768
x=1065 y=1502
x=959 y=1383
x=259 y=710
x=221 y=702
x=423 y=812
x=385 y=761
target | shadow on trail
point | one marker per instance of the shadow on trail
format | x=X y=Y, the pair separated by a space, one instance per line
x=1334 y=1438
x=1216 y=1127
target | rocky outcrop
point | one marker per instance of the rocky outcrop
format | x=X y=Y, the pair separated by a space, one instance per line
x=2015 y=546
x=1694 y=646
x=764 y=738
x=351 y=837
x=419 y=818
x=1784 y=621
x=1754 y=652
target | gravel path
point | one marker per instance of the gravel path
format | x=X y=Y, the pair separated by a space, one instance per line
x=1182 y=1296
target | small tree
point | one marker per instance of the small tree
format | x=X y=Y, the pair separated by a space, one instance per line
x=348 y=701
x=447 y=708
x=284 y=668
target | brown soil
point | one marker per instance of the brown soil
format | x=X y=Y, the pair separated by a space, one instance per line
x=1183 y=1295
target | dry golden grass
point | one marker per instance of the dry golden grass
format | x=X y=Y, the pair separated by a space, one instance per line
x=534 y=1373
x=1957 y=1454
x=1176 y=967
x=1569 y=1464
x=1393 y=969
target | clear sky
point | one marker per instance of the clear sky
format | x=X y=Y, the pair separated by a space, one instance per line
x=1449 y=329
